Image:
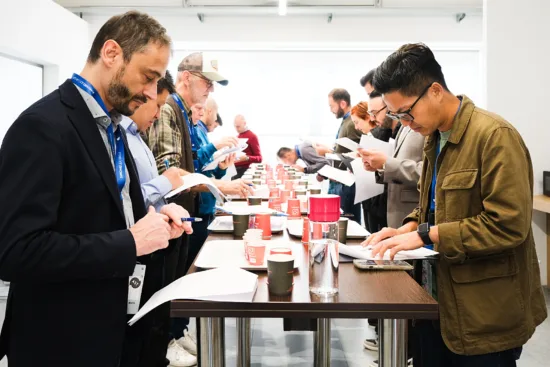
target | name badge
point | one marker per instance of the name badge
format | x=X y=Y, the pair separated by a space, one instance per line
x=135 y=286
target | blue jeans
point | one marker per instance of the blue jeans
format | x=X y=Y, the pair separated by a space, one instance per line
x=347 y=197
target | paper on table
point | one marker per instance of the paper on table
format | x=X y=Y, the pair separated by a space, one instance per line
x=221 y=155
x=359 y=252
x=223 y=284
x=348 y=143
x=195 y=179
x=365 y=182
x=332 y=157
x=370 y=142
x=335 y=174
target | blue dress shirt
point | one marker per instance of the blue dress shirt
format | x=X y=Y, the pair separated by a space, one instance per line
x=153 y=185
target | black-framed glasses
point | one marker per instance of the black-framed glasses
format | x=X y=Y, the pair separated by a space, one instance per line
x=209 y=83
x=374 y=113
x=406 y=115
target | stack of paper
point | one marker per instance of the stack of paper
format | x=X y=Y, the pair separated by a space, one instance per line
x=365 y=253
x=365 y=182
x=348 y=143
x=222 y=284
x=335 y=174
x=195 y=179
x=369 y=142
x=220 y=156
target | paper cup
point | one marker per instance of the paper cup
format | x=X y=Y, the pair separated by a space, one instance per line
x=240 y=224
x=254 y=200
x=285 y=194
x=256 y=253
x=293 y=208
x=263 y=222
x=274 y=192
x=315 y=191
x=343 y=230
x=275 y=203
x=305 y=232
x=280 y=274
x=280 y=251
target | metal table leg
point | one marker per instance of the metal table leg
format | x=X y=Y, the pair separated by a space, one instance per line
x=321 y=343
x=392 y=336
x=212 y=339
x=243 y=342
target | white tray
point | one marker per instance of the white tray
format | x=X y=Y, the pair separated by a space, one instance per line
x=219 y=253
x=225 y=224
x=355 y=231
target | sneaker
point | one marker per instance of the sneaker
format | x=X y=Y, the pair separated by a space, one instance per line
x=375 y=363
x=188 y=342
x=178 y=356
x=371 y=344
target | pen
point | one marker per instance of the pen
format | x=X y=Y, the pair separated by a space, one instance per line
x=191 y=219
x=166 y=163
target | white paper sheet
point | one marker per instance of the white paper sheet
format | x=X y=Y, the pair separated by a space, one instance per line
x=332 y=157
x=370 y=142
x=359 y=252
x=195 y=179
x=220 y=155
x=365 y=182
x=335 y=174
x=228 y=284
x=348 y=143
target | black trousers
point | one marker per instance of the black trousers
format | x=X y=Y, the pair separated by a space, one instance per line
x=429 y=350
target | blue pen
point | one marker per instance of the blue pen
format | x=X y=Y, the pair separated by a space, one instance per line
x=166 y=164
x=191 y=219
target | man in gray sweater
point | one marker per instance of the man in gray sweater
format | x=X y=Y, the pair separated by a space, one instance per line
x=306 y=152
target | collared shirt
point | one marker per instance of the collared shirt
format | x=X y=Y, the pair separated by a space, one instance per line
x=153 y=185
x=103 y=121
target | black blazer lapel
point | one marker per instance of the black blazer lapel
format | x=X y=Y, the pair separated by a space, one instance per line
x=86 y=126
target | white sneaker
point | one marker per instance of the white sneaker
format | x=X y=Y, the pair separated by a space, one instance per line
x=188 y=342
x=178 y=356
x=371 y=344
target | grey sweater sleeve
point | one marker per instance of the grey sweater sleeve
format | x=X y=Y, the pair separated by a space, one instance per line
x=314 y=161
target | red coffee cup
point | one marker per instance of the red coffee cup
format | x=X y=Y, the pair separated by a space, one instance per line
x=280 y=251
x=285 y=194
x=317 y=231
x=272 y=184
x=289 y=185
x=275 y=203
x=293 y=208
x=263 y=222
x=305 y=232
x=256 y=253
x=274 y=192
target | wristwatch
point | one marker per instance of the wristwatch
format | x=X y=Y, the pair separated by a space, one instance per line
x=424 y=233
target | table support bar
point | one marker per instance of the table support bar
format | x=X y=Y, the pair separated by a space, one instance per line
x=392 y=336
x=212 y=339
x=243 y=342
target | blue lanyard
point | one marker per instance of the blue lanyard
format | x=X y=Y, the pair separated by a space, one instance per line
x=194 y=141
x=117 y=149
x=298 y=152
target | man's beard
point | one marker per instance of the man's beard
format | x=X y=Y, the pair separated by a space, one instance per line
x=340 y=113
x=120 y=96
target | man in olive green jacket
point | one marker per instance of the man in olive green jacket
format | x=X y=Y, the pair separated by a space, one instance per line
x=479 y=220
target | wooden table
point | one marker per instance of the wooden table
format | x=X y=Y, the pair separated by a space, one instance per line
x=390 y=295
x=541 y=203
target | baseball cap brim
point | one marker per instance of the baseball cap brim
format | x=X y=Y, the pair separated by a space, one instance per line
x=216 y=77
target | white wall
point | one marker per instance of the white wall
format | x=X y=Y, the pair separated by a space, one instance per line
x=518 y=80
x=43 y=32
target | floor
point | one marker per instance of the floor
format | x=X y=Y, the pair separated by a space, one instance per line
x=273 y=347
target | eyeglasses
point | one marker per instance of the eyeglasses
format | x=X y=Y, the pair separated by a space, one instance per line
x=373 y=113
x=209 y=83
x=406 y=115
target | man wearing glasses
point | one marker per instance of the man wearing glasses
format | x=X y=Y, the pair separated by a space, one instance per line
x=400 y=171
x=476 y=203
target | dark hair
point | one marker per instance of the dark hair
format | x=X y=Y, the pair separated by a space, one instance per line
x=133 y=31
x=409 y=70
x=340 y=94
x=367 y=78
x=166 y=83
x=281 y=153
x=219 y=119
x=375 y=94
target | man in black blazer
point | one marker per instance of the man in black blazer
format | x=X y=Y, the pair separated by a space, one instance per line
x=73 y=224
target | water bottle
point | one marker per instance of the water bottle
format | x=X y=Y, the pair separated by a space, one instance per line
x=324 y=213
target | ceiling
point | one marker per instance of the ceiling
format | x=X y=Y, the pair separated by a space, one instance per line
x=295 y=7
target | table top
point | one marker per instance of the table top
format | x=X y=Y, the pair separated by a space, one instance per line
x=541 y=203
x=362 y=294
